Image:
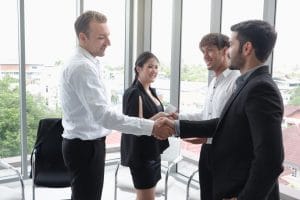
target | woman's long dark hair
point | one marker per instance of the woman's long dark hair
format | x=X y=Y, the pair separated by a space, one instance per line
x=140 y=61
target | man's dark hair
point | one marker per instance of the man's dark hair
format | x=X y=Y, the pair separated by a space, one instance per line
x=261 y=34
x=216 y=39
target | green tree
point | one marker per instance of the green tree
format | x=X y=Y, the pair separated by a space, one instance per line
x=295 y=97
x=194 y=73
x=10 y=117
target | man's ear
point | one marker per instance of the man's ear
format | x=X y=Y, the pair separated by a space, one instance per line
x=138 y=69
x=247 y=48
x=82 y=37
x=225 y=51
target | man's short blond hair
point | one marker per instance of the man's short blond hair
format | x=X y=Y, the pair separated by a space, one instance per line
x=82 y=22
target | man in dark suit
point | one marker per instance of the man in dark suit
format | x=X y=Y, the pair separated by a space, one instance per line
x=247 y=148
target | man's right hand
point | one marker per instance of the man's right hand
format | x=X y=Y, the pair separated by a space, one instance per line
x=163 y=128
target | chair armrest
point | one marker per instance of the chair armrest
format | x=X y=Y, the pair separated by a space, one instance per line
x=170 y=166
x=33 y=157
x=116 y=179
x=179 y=158
x=189 y=184
x=8 y=166
x=116 y=172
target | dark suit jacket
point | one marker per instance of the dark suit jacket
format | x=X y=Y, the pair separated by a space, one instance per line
x=135 y=149
x=247 y=148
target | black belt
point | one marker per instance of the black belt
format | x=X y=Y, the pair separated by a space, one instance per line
x=78 y=139
x=101 y=139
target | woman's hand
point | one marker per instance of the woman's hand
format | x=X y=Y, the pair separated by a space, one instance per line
x=196 y=140
x=159 y=114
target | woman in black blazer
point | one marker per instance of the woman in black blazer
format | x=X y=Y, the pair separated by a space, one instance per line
x=142 y=153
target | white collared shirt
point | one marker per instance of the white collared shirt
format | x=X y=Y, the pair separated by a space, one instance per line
x=85 y=102
x=219 y=91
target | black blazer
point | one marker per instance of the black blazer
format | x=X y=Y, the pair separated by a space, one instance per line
x=247 y=148
x=135 y=149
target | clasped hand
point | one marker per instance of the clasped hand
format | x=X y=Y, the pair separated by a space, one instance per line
x=163 y=127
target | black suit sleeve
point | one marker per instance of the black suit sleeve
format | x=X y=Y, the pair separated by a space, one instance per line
x=131 y=102
x=264 y=111
x=205 y=128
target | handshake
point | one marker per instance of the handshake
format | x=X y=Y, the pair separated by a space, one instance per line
x=164 y=125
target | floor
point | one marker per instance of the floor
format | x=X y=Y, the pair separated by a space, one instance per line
x=177 y=192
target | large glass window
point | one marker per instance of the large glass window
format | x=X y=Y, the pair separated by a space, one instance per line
x=49 y=40
x=113 y=61
x=236 y=11
x=161 y=45
x=194 y=74
x=9 y=81
x=286 y=73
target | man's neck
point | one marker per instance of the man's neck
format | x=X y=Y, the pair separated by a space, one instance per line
x=250 y=64
x=220 y=70
x=250 y=67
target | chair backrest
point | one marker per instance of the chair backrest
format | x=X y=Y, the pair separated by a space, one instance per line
x=173 y=151
x=48 y=163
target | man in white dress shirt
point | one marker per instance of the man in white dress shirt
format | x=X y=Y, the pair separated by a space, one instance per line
x=87 y=115
x=214 y=47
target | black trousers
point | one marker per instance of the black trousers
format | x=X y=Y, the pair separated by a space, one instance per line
x=205 y=175
x=85 y=159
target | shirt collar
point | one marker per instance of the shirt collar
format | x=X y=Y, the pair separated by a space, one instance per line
x=245 y=76
x=226 y=72
x=87 y=54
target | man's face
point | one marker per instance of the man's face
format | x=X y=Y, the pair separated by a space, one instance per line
x=235 y=54
x=213 y=57
x=97 y=38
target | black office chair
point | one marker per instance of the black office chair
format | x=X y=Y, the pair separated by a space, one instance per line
x=47 y=165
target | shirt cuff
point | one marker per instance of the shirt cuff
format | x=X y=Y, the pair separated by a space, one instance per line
x=177 y=128
x=209 y=141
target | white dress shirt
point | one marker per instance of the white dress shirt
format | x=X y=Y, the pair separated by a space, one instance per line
x=85 y=102
x=219 y=91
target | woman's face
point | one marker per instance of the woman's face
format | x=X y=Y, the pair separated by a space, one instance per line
x=148 y=72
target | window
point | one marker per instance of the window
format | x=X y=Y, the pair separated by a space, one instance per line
x=194 y=74
x=49 y=40
x=161 y=45
x=237 y=11
x=113 y=61
x=9 y=81
x=286 y=73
